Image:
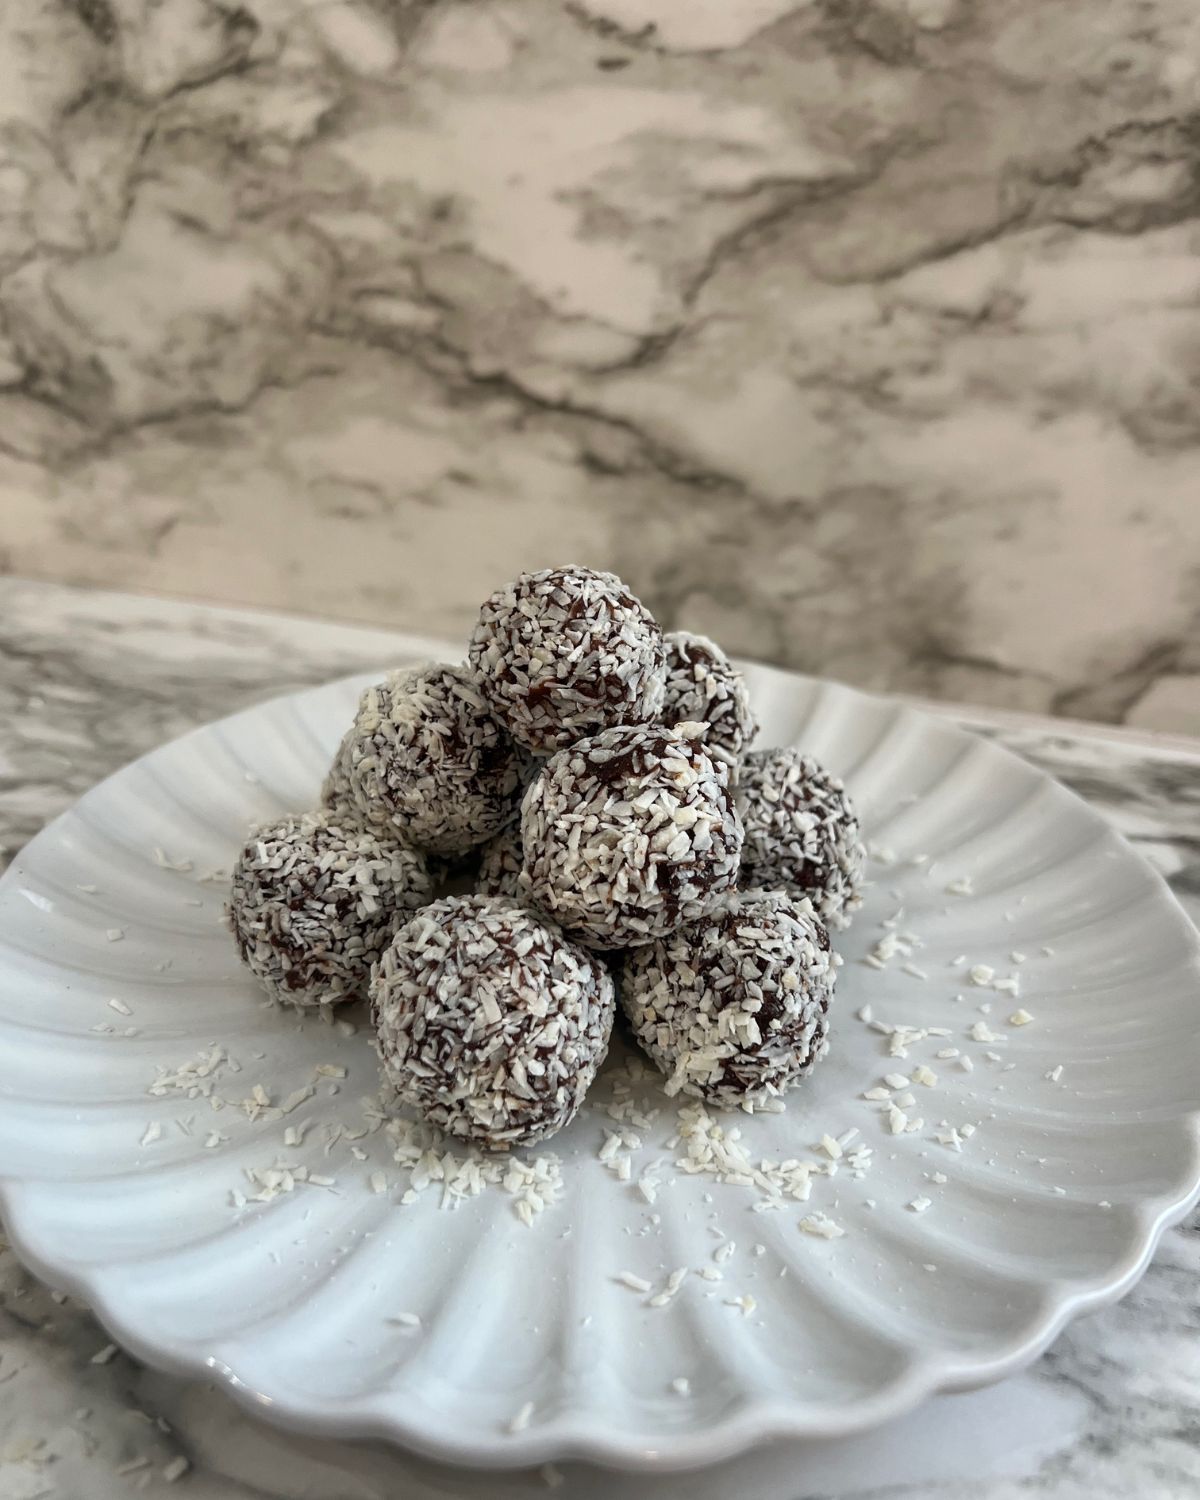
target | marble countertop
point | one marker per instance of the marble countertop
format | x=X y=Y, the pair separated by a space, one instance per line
x=89 y=680
x=859 y=334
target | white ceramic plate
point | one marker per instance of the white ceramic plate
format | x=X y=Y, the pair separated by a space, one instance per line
x=1053 y=1205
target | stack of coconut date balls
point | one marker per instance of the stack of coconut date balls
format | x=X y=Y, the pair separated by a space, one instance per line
x=622 y=839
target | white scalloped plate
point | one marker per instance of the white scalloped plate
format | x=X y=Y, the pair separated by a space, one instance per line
x=1052 y=1206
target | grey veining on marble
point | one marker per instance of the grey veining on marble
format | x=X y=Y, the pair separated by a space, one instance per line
x=862 y=334
x=88 y=681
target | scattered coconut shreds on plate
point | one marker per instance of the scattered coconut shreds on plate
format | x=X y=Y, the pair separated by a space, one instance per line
x=164 y=861
x=648 y=1184
x=633 y=1282
x=674 y=1281
x=891 y=945
x=612 y=1144
x=681 y=1385
x=714 y=1149
x=919 y=1205
x=822 y=1227
x=535 y=1185
x=193 y=1079
x=521 y=1421
x=1020 y=1018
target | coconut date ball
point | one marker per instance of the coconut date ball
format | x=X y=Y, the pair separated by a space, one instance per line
x=629 y=834
x=734 y=1008
x=425 y=759
x=491 y=1023
x=314 y=903
x=500 y=864
x=567 y=652
x=704 y=686
x=802 y=833
x=336 y=796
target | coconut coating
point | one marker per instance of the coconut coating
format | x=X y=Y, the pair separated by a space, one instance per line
x=565 y=653
x=314 y=903
x=734 y=1009
x=704 y=686
x=336 y=796
x=802 y=832
x=500 y=864
x=491 y=1023
x=426 y=759
x=628 y=835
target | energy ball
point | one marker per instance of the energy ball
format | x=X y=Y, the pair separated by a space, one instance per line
x=336 y=796
x=500 y=864
x=314 y=903
x=565 y=653
x=704 y=686
x=628 y=835
x=490 y=1022
x=802 y=834
x=427 y=760
x=734 y=1009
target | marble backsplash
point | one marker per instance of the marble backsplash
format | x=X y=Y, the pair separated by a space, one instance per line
x=861 y=334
